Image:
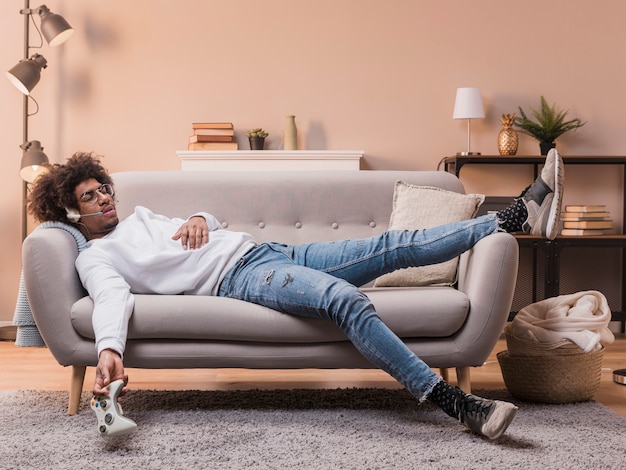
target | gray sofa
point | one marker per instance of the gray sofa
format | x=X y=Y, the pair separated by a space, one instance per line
x=448 y=327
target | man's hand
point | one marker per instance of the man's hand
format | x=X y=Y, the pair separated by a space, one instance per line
x=109 y=369
x=193 y=234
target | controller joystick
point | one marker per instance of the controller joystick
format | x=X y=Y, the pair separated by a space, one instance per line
x=111 y=419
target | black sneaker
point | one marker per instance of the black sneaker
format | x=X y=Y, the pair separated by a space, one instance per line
x=487 y=417
x=543 y=199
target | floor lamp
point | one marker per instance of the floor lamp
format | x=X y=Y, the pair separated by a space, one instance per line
x=25 y=75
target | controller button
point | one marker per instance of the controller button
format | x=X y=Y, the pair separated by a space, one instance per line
x=102 y=429
x=108 y=418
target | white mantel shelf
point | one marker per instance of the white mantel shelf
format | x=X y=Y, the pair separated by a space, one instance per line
x=269 y=160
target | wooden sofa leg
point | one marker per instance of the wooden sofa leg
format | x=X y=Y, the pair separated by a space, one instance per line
x=463 y=379
x=445 y=374
x=76 y=388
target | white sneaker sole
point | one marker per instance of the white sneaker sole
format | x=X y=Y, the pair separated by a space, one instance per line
x=549 y=217
x=554 y=218
x=500 y=420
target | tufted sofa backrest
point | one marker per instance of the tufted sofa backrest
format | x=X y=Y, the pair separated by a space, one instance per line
x=287 y=207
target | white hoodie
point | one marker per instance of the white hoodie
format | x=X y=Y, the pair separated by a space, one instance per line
x=140 y=257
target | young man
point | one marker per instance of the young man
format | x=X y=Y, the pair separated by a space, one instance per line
x=150 y=253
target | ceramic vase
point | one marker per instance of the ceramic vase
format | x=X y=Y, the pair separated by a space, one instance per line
x=290 y=134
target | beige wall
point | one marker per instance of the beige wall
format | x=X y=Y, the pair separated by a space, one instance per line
x=358 y=74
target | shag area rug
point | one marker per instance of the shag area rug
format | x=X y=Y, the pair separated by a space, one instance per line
x=301 y=429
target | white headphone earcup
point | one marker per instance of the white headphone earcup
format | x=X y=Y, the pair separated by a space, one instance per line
x=72 y=215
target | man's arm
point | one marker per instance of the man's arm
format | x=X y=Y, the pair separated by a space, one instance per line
x=113 y=307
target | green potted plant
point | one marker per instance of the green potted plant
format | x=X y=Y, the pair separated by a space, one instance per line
x=257 y=137
x=548 y=124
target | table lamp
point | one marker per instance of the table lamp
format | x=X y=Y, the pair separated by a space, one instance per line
x=468 y=105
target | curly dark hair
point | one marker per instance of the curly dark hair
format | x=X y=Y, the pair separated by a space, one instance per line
x=53 y=191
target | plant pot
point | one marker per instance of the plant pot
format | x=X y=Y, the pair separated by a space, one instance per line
x=256 y=143
x=545 y=147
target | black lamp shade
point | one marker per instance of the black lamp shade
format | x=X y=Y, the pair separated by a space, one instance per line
x=34 y=161
x=55 y=29
x=26 y=74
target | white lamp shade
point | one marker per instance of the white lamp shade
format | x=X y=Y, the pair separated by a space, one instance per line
x=468 y=104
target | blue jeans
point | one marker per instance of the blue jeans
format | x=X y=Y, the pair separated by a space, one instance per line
x=319 y=280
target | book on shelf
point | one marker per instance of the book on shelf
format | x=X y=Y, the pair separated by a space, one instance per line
x=589 y=224
x=211 y=138
x=227 y=132
x=586 y=208
x=586 y=219
x=585 y=215
x=582 y=231
x=212 y=125
x=213 y=146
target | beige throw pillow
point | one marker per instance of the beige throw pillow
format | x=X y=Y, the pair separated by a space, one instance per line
x=417 y=207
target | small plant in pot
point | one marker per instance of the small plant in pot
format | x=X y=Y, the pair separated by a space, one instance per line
x=257 y=137
x=548 y=124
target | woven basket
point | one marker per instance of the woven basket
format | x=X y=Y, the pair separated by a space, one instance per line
x=552 y=377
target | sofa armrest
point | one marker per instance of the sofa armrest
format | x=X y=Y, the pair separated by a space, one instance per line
x=53 y=285
x=487 y=275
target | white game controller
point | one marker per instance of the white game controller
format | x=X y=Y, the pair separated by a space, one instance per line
x=111 y=419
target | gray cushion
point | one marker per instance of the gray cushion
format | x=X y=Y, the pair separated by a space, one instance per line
x=409 y=312
x=419 y=207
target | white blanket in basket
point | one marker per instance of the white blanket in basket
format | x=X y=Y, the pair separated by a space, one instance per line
x=582 y=318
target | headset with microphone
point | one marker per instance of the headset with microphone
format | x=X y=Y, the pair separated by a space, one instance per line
x=74 y=216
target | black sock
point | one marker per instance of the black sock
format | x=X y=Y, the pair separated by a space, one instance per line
x=447 y=397
x=513 y=217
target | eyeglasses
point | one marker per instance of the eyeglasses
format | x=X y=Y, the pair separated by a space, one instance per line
x=91 y=196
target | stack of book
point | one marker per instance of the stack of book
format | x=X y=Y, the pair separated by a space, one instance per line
x=586 y=220
x=212 y=136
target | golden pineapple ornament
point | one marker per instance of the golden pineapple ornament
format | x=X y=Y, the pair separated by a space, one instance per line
x=507 y=137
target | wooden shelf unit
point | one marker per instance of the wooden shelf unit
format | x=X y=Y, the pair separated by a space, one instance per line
x=547 y=255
